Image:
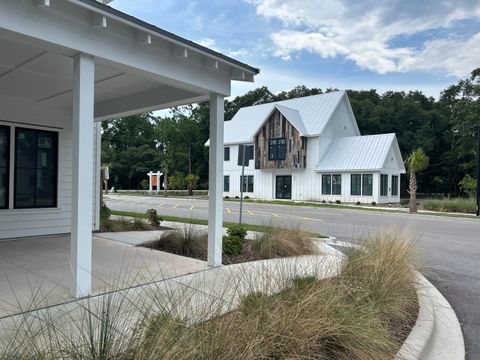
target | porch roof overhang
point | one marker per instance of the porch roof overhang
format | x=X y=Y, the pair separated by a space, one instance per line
x=138 y=67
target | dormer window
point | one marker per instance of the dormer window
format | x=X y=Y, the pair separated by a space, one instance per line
x=277 y=149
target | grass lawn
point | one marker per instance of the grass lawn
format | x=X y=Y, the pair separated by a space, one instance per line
x=249 y=227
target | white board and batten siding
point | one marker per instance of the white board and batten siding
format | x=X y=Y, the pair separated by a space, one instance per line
x=16 y=223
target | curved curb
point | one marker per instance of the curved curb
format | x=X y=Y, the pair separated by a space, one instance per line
x=437 y=334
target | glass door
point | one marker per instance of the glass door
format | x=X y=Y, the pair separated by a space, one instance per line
x=283 y=188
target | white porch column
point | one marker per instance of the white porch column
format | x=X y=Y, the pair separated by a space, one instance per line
x=215 y=181
x=82 y=174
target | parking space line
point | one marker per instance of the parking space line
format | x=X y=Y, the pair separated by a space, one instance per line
x=250 y=212
x=275 y=215
x=175 y=206
x=191 y=207
x=228 y=210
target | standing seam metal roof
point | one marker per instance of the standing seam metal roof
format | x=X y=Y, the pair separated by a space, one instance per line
x=313 y=114
x=356 y=153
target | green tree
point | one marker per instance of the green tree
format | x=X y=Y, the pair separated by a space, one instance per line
x=177 y=181
x=468 y=185
x=416 y=162
x=192 y=181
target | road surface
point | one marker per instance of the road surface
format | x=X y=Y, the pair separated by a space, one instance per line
x=449 y=248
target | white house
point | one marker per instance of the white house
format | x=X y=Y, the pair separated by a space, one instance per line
x=309 y=148
x=65 y=65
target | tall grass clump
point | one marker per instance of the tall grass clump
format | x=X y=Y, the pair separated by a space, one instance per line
x=282 y=242
x=467 y=205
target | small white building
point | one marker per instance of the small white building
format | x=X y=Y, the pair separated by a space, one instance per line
x=310 y=148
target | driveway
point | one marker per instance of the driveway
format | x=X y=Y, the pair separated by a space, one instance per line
x=449 y=248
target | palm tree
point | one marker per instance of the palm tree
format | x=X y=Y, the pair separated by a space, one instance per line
x=416 y=162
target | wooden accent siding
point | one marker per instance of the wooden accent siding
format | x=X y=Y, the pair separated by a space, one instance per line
x=277 y=126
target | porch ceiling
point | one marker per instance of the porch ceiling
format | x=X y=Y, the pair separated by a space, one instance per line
x=42 y=75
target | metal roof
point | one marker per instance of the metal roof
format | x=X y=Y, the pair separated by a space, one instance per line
x=163 y=33
x=308 y=114
x=358 y=153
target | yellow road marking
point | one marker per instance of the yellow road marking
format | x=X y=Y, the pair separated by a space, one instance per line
x=275 y=215
x=175 y=206
x=251 y=213
x=228 y=210
x=311 y=219
x=191 y=207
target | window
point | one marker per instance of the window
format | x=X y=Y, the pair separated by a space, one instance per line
x=36 y=166
x=247 y=182
x=277 y=149
x=337 y=184
x=226 y=183
x=394 y=185
x=226 y=153
x=248 y=154
x=4 y=165
x=383 y=185
x=356 y=184
x=326 y=184
x=367 y=184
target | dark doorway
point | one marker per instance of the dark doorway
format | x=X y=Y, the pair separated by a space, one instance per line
x=283 y=189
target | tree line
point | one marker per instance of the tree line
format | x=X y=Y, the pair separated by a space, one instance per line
x=444 y=128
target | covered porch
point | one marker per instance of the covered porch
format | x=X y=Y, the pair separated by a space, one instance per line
x=36 y=272
x=64 y=67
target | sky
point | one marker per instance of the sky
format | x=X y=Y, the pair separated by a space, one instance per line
x=406 y=45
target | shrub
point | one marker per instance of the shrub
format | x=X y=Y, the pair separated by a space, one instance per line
x=232 y=245
x=338 y=202
x=358 y=203
x=227 y=197
x=237 y=230
x=276 y=243
x=186 y=241
x=374 y=203
x=191 y=181
x=236 y=197
x=105 y=214
x=323 y=201
x=246 y=197
x=153 y=218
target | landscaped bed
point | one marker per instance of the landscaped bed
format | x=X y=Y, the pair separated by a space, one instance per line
x=364 y=312
x=268 y=244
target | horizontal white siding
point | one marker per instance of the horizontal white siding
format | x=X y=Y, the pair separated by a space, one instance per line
x=46 y=221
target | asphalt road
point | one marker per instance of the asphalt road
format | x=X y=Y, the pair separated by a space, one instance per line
x=449 y=248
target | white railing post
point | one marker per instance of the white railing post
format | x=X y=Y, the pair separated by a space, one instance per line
x=215 y=181
x=82 y=174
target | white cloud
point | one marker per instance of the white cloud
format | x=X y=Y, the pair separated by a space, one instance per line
x=362 y=31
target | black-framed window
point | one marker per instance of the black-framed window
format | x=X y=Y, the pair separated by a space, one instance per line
x=277 y=149
x=248 y=154
x=367 y=184
x=383 y=185
x=4 y=165
x=336 y=184
x=247 y=183
x=326 y=184
x=226 y=183
x=36 y=167
x=394 y=185
x=226 y=153
x=356 y=184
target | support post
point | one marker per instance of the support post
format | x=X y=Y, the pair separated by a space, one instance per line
x=82 y=174
x=215 y=183
x=478 y=170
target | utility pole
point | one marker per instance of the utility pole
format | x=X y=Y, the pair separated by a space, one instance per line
x=242 y=184
x=478 y=169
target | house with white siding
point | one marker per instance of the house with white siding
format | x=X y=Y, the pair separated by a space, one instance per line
x=309 y=149
x=66 y=65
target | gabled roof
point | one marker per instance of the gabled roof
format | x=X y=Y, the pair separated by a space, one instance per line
x=308 y=115
x=358 y=153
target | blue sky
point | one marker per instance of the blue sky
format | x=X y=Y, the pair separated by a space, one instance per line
x=348 y=44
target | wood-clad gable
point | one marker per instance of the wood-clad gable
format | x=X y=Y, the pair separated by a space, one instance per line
x=278 y=127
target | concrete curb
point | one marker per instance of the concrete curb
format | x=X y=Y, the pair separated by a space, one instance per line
x=437 y=334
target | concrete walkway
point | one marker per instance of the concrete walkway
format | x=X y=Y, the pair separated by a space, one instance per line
x=36 y=272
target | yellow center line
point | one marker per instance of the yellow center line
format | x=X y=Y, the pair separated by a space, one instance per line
x=311 y=219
